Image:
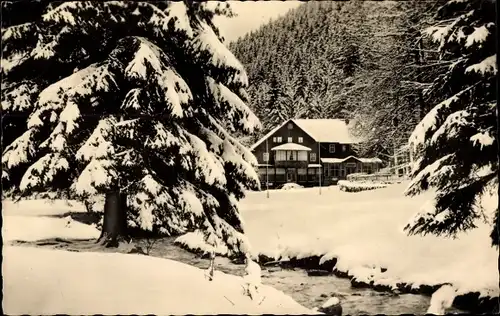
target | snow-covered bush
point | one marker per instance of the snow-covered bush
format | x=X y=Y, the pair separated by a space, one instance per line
x=137 y=99
x=291 y=186
x=455 y=145
x=349 y=186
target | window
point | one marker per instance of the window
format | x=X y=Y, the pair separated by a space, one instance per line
x=265 y=157
x=344 y=147
x=336 y=169
x=301 y=140
x=313 y=156
x=275 y=139
x=290 y=139
x=290 y=126
x=279 y=139
x=280 y=155
x=292 y=155
x=331 y=148
x=302 y=155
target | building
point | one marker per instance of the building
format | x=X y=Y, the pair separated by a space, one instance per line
x=309 y=152
x=402 y=161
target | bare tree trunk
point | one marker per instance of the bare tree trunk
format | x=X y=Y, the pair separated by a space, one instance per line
x=114 y=228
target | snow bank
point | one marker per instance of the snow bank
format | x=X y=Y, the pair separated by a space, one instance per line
x=291 y=186
x=32 y=228
x=366 y=232
x=195 y=241
x=349 y=186
x=111 y=283
x=41 y=207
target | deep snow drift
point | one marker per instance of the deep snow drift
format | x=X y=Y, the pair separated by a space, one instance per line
x=44 y=281
x=61 y=282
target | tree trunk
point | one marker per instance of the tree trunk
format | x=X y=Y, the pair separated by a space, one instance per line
x=114 y=228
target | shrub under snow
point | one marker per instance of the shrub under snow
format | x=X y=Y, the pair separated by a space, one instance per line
x=348 y=186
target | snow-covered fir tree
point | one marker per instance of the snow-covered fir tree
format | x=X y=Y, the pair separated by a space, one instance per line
x=456 y=143
x=134 y=101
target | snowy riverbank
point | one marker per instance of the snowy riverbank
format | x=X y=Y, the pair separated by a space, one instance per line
x=362 y=234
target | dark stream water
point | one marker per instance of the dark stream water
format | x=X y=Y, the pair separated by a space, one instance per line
x=310 y=291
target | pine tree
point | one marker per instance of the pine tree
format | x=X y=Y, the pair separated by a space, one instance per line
x=456 y=143
x=136 y=101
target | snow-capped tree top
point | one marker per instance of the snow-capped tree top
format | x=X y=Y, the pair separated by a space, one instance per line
x=117 y=99
x=454 y=149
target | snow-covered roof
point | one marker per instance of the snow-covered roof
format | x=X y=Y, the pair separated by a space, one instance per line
x=326 y=130
x=314 y=165
x=339 y=160
x=274 y=130
x=321 y=130
x=291 y=146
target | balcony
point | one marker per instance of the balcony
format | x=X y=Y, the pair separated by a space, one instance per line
x=290 y=164
x=291 y=155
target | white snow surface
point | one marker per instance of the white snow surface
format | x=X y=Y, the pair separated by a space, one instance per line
x=82 y=283
x=366 y=231
x=19 y=150
x=196 y=241
x=291 y=186
x=486 y=66
x=351 y=185
x=327 y=130
x=43 y=171
x=62 y=282
x=483 y=139
x=479 y=35
x=206 y=41
x=441 y=300
x=33 y=228
x=178 y=12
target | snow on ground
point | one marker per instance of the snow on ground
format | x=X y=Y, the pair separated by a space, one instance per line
x=363 y=230
x=61 y=282
x=41 y=207
x=32 y=228
x=30 y=220
x=47 y=281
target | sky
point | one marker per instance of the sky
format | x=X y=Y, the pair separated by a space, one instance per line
x=251 y=15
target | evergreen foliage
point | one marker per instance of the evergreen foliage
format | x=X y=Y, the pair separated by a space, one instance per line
x=456 y=144
x=136 y=97
x=341 y=59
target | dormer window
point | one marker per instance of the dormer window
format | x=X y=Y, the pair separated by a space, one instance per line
x=301 y=140
x=290 y=139
x=290 y=126
x=344 y=148
x=331 y=148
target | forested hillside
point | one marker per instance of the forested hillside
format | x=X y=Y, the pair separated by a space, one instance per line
x=360 y=60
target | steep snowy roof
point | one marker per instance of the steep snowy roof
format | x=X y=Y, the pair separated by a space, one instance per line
x=321 y=130
x=326 y=130
x=291 y=146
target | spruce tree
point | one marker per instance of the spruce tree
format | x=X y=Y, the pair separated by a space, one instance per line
x=456 y=144
x=134 y=101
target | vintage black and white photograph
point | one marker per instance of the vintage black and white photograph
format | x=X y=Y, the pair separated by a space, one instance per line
x=250 y=157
